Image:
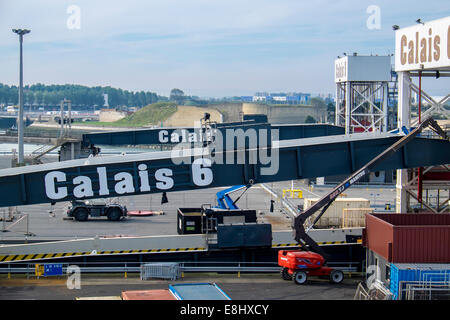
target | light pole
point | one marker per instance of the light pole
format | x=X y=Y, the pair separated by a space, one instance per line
x=21 y=33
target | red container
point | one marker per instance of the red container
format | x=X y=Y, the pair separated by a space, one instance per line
x=409 y=238
x=148 y=295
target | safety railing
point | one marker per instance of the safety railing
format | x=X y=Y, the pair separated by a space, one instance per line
x=184 y=267
x=376 y=291
x=361 y=293
x=415 y=290
x=170 y=271
x=418 y=292
x=430 y=285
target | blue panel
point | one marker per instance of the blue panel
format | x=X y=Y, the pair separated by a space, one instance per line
x=247 y=98
x=300 y=131
x=198 y=291
x=53 y=269
x=398 y=275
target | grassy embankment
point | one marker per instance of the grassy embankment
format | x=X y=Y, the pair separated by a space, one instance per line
x=152 y=114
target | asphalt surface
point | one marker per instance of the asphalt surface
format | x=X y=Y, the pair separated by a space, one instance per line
x=247 y=287
x=46 y=226
x=47 y=223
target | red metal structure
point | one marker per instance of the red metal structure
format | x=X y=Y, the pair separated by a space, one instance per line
x=299 y=265
x=409 y=238
x=420 y=169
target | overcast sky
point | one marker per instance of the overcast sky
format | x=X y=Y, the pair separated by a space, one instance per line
x=204 y=47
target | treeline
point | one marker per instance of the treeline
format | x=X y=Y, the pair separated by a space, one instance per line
x=38 y=95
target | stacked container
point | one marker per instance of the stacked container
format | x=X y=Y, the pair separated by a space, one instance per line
x=422 y=276
x=333 y=216
x=415 y=248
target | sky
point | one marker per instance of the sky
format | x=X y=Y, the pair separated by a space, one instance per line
x=207 y=48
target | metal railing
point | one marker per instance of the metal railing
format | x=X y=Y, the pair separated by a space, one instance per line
x=234 y=267
x=185 y=267
x=418 y=292
x=361 y=293
x=430 y=285
x=376 y=291
x=169 y=271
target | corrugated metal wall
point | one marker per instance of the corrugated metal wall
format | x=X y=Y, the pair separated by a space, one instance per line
x=378 y=235
x=421 y=244
x=409 y=238
x=415 y=219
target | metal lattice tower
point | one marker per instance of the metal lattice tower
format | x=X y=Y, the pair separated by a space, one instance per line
x=362 y=93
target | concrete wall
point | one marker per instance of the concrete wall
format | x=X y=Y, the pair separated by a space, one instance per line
x=111 y=115
x=283 y=114
x=187 y=116
x=231 y=111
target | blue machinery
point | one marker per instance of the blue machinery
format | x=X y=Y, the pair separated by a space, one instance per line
x=224 y=200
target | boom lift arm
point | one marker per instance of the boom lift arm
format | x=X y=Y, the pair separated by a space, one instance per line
x=300 y=234
x=224 y=200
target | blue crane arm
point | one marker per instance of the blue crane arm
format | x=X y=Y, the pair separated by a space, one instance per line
x=224 y=200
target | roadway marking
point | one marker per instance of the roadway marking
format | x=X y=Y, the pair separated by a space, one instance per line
x=31 y=257
x=328 y=243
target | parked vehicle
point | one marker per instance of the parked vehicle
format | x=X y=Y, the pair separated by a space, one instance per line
x=298 y=265
x=81 y=210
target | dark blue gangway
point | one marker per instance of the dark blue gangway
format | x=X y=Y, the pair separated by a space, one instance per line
x=157 y=172
x=163 y=136
x=198 y=291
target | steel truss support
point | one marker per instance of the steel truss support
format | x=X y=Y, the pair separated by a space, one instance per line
x=437 y=189
x=407 y=179
x=362 y=106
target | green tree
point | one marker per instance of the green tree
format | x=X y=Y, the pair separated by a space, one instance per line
x=177 y=95
x=310 y=119
x=318 y=102
x=81 y=96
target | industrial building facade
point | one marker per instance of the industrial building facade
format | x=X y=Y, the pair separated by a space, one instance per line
x=279 y=98
x=408 y=253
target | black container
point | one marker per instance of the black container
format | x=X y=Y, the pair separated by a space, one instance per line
x=189 y=220
x=244 y=235
x=249 y=216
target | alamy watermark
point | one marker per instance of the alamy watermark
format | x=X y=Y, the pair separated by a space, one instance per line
x=74 y=20
x=374 y=273
x=73 y=277
x=374 y=20
x=225 y=146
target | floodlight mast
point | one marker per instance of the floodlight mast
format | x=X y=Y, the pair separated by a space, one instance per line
x=20 y=160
